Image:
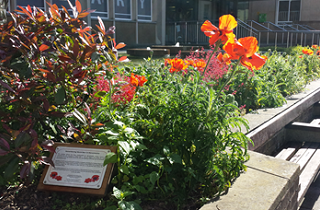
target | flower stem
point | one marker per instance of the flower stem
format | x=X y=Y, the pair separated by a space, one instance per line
x=215 y=49
x=234 y=68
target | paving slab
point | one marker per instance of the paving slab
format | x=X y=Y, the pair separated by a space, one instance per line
x=246 y=192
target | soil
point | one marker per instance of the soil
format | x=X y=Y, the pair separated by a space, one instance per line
x=28 y=197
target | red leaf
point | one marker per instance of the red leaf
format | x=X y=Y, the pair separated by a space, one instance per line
x=25 y=170
x=3 y=153
x=84 y=14
x=78 y=5
x=43 y=70
x=6 y=86
x=75 y=48
x=29 y=9
x=48 y=144
x=43 y=47
x=47 y=161
x=24 y=11
x=4 y=144
x=123 y=58
x=120 y=45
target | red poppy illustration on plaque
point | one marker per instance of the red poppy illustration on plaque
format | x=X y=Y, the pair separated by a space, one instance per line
x=54 y=175
x=93 y=179
x=88 y=180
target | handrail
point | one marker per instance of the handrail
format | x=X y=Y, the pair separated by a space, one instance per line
x=247 y=25
x=268 y=29
x=275 y=25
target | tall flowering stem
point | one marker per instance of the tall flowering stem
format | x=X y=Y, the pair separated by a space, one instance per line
x=215 y=49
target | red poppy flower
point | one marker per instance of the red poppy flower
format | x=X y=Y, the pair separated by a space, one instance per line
x=95 y=178
x=318 y=52
x=87 y=180
x=53 y=174
x=58 y=178
x=225 y=31
x=307 y=51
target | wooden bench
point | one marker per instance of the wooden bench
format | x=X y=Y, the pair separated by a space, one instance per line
x=307 y=155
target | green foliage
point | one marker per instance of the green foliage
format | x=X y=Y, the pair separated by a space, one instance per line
x=176 y=133
x=282 y=75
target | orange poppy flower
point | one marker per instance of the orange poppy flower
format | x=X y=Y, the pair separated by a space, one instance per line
x=137 y=80
x=307 y=51
x=141 y=80
x=224 y=58
x=225 y=31
x=177 y=64
x=314 y=46
x=253 y=62
x=133 y=80
x=318 y=52
x=245 y=49
x=200 y=64
x=189 y=62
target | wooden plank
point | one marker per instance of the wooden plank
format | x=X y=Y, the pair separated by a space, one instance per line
x=286 y=154
x=308 y=174
x=307 y=155
x=300 y=153
x=290 y=149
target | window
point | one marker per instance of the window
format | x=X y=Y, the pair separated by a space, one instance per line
x=144 y=10
x=122 y=9
x=101 y=7
x=37 y=3
x=289 y=10
x=64 y=3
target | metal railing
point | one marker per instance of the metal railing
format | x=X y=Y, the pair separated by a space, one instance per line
x=285 y=34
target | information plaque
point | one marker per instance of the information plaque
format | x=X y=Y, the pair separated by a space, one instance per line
x=78 y=168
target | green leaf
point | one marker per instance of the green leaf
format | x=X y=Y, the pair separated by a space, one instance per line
x=124 y=169
x=113 y=207
x=100 y=94
x=125 y=146
x=166 y=150
x=5 y=159
x=175 y=158
x=23 y=137
x=131 y=205
x=95 y=56
x=154 y=176
x=111 y=157
x=117 y=193
x=155 y=160
x=60 y=96
x=11 y=168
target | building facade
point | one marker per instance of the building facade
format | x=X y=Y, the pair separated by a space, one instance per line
x=142 y=23
x=137 y=22
x=305 y=12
